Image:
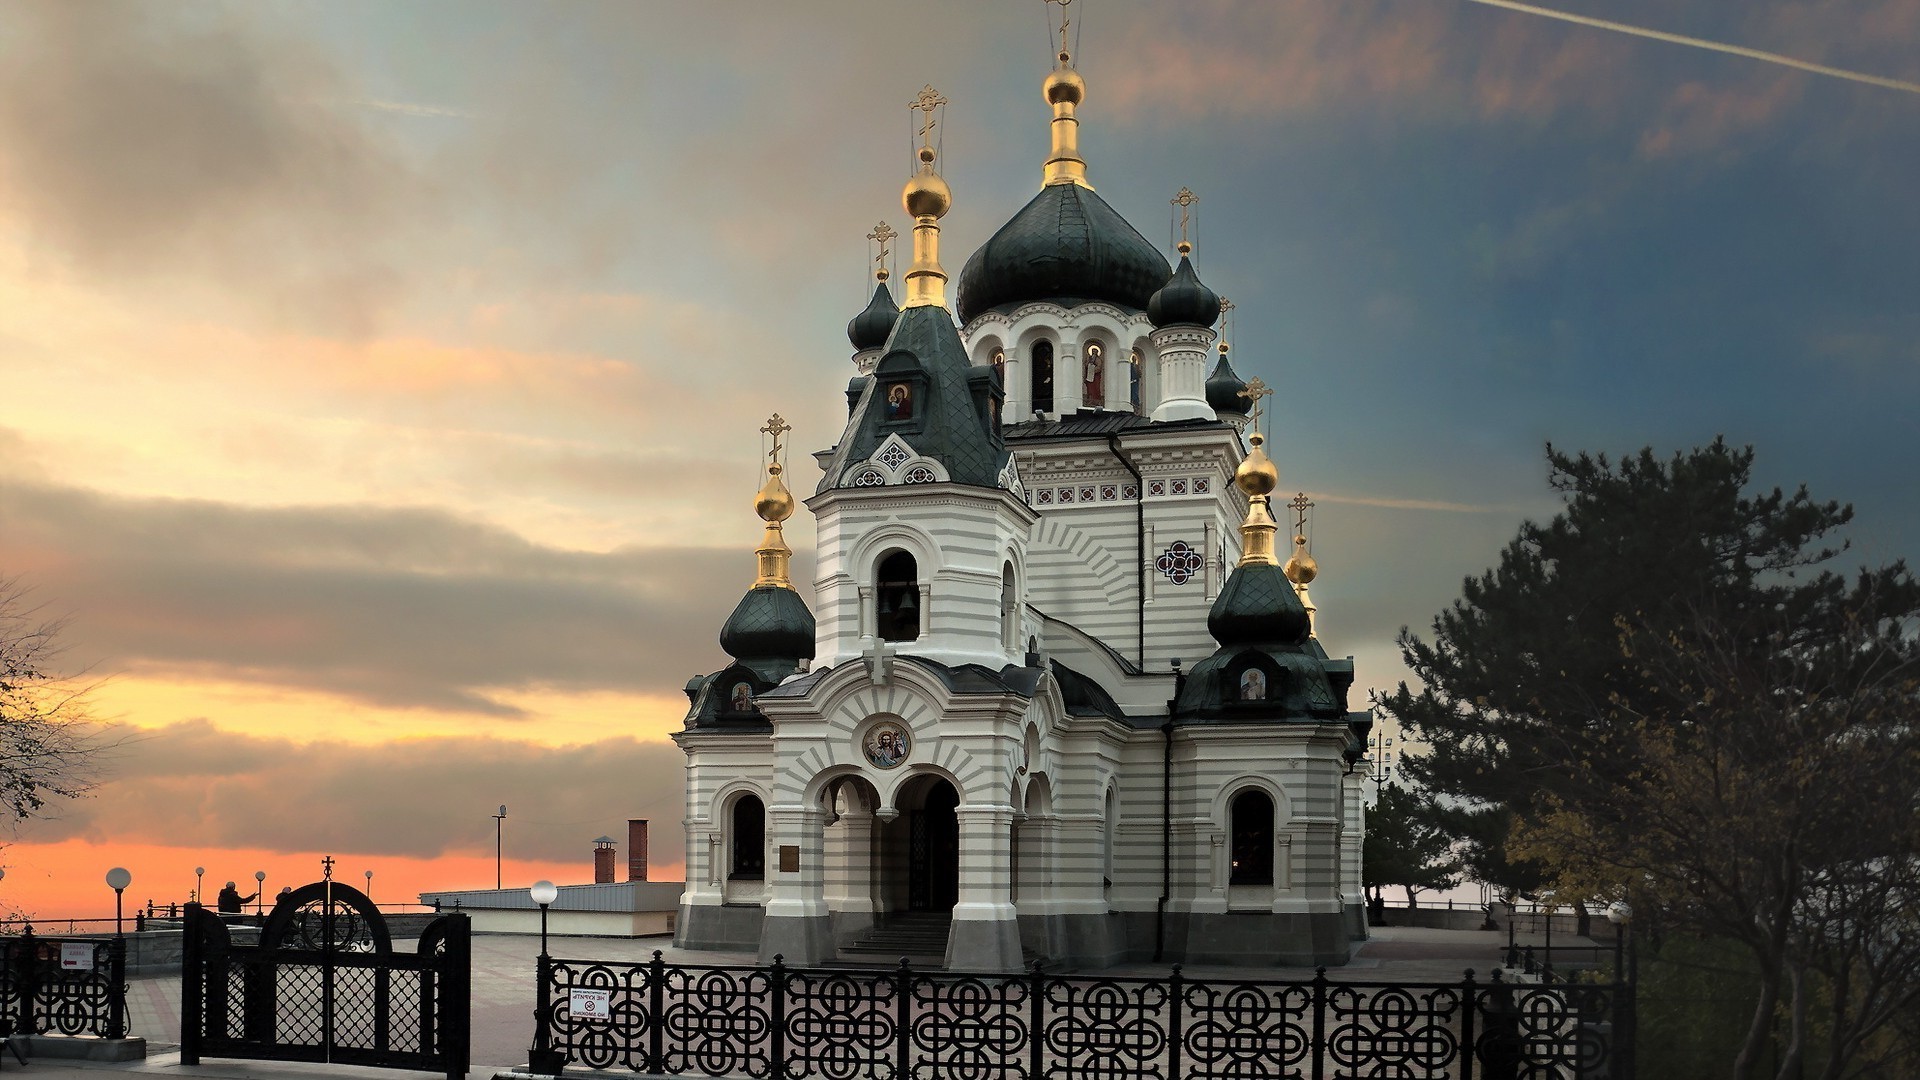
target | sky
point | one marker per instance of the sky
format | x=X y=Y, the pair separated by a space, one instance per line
x=380 y=384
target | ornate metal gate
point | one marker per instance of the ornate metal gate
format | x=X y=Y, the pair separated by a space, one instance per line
x=324 y=984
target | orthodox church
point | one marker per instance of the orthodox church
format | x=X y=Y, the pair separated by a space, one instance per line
x=1058 y=698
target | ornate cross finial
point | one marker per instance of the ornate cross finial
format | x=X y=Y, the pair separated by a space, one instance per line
x=1257 y=388
x=1226 y=309
x=326 y=868
x=928 y=101
x=882 y=234
x=776 y=427
x=1300 y=505
x=1185 y=200
x=1065 y=22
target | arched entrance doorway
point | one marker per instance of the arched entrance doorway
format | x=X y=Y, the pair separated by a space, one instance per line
x=933 y=850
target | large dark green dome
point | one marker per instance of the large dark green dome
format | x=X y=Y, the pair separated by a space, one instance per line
x=1067 y=246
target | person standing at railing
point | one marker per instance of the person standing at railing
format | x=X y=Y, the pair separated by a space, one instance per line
x=231 y=902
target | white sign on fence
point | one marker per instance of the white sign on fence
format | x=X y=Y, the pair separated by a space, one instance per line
x=592 y=1005
x=76 y=956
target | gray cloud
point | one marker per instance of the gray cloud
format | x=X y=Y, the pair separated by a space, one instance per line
x=140 y=142
x=193 y=784
x=402 y=607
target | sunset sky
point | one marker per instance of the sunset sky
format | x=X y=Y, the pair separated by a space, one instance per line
x=379 y=383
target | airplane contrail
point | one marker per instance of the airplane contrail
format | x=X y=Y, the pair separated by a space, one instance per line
x=1702 y=43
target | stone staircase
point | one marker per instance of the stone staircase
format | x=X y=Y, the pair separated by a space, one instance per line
x=920 y=936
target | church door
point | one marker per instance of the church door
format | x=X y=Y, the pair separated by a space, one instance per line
x=933 y=868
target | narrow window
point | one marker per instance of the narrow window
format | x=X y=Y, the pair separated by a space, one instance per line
x=897 y=591
x=1252 y=839
x=1009 y=622
x=1133 y=380
x=749 y=838
x=1043 y=376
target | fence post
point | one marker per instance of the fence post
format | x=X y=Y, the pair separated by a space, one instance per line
x=1319 y=1023
x=1036 y=1042
x=1176 y=996
x=1469 y=1006
x=901 y=1067
x=29 y=981
x=117 y=989
x=657 y=1003
x=193 y=986
x=542 y=1011
x=777 y=986
x=455 y=1024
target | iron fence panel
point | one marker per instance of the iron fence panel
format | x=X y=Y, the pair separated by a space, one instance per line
x=832 y=1024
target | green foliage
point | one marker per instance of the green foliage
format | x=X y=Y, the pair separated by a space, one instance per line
x=1405 y=845
x=1659 y=695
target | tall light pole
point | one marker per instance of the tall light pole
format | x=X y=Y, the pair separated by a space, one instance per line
x=497 y=819
x=369 y=885
x=199 y=872
x=259 y=892
x=543 y=1059
x=118 y=879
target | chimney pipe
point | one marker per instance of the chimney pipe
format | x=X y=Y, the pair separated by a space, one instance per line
x=603 y=857
x=636 y=849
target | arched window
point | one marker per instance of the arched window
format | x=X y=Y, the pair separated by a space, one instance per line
x=749 y=838
x=1043 y=376
x=1133 y=379
x=897 y=591
x=1009 y=620
x=1252 y=839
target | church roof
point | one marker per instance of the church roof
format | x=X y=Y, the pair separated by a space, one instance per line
x=949 y=413
x=1184 y=300
x=1224 y=388
x=1066 y=246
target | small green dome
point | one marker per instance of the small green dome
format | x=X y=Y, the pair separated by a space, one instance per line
x=870 y=328
x=1258 y=606
x=771 y=622
x=1223 y=390
x=1184 y=300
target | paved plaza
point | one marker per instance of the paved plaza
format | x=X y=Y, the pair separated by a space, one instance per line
x=503 y=996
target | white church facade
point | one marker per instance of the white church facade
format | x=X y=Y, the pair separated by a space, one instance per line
x=1056 y=696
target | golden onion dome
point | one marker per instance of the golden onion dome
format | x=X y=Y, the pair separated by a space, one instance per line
x=1064 y=85
x=1257 y=475
x=1301 y=567
x=926 y=194
x=775 y=502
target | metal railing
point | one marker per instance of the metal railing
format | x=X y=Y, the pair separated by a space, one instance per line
x=779 y=1022
x=63 y=986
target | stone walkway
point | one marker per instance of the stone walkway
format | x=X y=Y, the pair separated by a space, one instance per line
x=503 y=995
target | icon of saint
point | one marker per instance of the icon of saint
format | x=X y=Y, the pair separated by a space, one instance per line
x=1253 y=685
x=742 y=699
x=899 y=402
x=1094 y=389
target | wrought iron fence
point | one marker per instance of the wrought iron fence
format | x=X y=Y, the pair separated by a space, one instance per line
x=834 y=1024
x=63 y=986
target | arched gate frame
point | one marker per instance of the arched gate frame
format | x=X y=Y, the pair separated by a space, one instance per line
x=324 y=984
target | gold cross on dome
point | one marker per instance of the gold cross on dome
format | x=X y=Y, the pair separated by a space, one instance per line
x=1257 y=388
x=929 y=100
x=1184 y=200
x=882 y=234
x=1064 y=21
x=776 y=427
x=1300 y=505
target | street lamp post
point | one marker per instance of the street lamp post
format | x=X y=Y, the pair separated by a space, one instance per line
x=199 y=873
x=497 y=819
x=1624 y=987
x=259 y=892
x=544 y=1060
x=118 y=879
x=369 y=885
